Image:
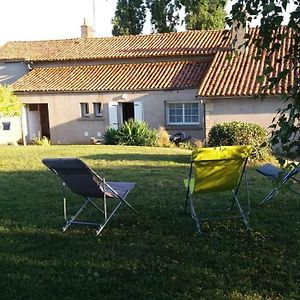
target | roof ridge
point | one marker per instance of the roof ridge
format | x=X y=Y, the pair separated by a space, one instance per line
x=120 y=36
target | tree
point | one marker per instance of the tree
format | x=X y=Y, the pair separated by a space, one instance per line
x=10 y=105
x=130 y=16
x=204 y=14
x=164 y=15
x=270 y=39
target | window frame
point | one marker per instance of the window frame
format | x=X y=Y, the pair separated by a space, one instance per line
x=97 y=112
x=183 y=123
x=84 y=110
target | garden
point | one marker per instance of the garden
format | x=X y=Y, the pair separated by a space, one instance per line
x=156 y=254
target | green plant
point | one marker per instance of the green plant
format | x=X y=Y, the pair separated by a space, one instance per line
x=191 y=144
x=44 y=141
x=110 y=136
x=135 y=133
x=10 y=104
x=240 y=133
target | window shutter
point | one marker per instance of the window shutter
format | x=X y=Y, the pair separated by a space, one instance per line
x=138 y=111
x=113 y=115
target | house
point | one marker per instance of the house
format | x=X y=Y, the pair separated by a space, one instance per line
x=74 y=89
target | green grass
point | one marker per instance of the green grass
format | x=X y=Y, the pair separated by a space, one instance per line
x=154 y=255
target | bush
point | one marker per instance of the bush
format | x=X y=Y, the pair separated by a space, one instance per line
x=240 y=133
x=163 y=138
x=41 y=141
x=136 y=133
x=110 y=136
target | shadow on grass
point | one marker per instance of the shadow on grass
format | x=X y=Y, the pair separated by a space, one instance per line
x=140 y=157
x=155 y=255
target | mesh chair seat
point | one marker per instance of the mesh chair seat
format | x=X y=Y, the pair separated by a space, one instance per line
x=217 y=169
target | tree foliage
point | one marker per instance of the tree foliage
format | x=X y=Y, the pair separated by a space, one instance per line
x=129 y=17
x=204 y=14
x=286 y=124
x=164 y=15
x=10 y=105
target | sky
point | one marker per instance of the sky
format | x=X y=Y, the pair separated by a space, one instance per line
x=54 y=19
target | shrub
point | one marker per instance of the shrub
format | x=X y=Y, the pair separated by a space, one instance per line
x=10 y=104
x=163 y=138
x=135 y=133
x=41 y=141
x=110 y=136
x=240 y=133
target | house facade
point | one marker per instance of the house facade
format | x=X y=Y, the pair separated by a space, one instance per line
x=74 y=89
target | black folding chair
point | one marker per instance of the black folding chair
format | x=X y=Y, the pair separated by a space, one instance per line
x=281 y=177
x=85 y=182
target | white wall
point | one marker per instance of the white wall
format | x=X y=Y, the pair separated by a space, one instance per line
x=246 y=109
x=67 y=127
x=12 y=135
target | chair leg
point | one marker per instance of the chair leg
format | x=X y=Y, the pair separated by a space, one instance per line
x=242 y=214
x=101 y=227
x=194 y=215
x=187 y=200
x=269 y=196
x=69 y=222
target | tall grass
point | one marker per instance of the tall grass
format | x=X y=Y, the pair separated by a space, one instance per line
x=155 y=255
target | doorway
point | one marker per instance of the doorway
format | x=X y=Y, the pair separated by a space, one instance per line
x=127 y=111
x=123 y=111
x=44 y=117
x=37 y=121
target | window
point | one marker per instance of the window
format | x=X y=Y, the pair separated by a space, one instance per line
x=33 y=107
x=97 y=109
x=6 y=125
x=183 y=113
x=84 y=109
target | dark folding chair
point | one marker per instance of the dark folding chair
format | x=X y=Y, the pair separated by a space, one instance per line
x=281 y=177
x=85 y=182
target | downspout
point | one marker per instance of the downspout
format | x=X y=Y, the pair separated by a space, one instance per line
x=22 y=126
x=204 y=117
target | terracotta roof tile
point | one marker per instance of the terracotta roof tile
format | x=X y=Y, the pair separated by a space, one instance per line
x=121 y=47
x=238 y=77
x=111 y=77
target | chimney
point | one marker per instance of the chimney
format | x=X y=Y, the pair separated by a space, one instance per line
x=238 y=32
x=87 y=31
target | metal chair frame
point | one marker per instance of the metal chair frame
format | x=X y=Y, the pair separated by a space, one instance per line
x=243 y=213
x=278 y=175
x=107 y=189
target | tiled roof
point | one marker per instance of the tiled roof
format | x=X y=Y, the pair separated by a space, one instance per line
x=238 y=76
x=121 y=47
x=112 y=77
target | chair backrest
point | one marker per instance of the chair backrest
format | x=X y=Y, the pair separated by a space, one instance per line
x=76 y=175
x=220 y=168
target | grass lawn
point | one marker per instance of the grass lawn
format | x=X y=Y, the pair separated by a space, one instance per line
x=154 y=255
